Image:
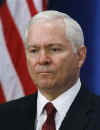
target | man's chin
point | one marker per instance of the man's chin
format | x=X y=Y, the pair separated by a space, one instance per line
x=43 y=84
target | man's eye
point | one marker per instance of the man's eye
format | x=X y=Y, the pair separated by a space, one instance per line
x=34 y=51
x=56 y=49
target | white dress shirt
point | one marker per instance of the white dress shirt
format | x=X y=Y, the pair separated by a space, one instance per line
x=62 y=104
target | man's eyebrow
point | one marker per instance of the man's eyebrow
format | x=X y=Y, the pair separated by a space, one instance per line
x=55 y=45
x=48 y=45
x=32 y=46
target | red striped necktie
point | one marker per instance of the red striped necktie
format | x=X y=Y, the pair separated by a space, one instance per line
x=49 y=124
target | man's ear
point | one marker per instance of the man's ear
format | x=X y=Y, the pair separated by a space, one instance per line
x=81 y=52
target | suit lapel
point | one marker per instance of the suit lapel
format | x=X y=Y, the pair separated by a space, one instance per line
x=79 y=117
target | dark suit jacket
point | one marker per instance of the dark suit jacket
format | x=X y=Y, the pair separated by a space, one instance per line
x=20 y=114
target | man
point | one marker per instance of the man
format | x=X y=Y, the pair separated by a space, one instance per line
x=55 y=53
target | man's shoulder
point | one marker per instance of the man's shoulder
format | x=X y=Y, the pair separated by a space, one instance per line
x=95 y=105
x=95 y=101
x=94 y=97
x=14 y=104
x=90 y=98
x=16 y=114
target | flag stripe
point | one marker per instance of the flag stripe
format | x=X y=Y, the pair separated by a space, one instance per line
x=15 y=81
x=44 y=3
x=11 y=85
x=16 y=49
x=31 y=7
x=20 y=13
x=2 y=97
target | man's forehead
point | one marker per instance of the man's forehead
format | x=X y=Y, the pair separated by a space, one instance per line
x=48 y=34
x=58 y=44
x=48 y=31
x=59 y=23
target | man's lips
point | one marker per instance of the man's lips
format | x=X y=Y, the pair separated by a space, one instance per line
x=45 y=73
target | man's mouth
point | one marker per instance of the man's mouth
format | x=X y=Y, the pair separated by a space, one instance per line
x=45 y=73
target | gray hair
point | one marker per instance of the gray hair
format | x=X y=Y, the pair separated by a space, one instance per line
x=73 y=30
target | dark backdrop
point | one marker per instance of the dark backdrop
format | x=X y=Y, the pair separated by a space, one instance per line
x=87 y=13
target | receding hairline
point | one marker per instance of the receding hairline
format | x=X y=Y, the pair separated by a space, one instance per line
x=73 y=31
x=48 y=15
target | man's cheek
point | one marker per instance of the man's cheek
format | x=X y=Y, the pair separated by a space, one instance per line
x=31 y=65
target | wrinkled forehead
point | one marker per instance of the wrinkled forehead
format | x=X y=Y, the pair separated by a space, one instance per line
x=47 y=33
x=45 y=26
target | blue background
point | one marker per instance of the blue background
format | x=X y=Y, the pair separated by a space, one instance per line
x=87 y=13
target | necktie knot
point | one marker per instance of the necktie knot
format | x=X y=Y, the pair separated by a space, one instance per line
x=50 y=109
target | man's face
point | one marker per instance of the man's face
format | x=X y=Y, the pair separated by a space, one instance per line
x=51 y=61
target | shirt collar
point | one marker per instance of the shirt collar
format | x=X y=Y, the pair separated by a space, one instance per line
x=41 y=102
x=62 y=102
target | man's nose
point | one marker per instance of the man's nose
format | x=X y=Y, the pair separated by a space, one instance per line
x=44 y=58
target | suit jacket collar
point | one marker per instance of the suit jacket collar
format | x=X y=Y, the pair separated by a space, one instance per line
x=81 y=112
x=79 y=116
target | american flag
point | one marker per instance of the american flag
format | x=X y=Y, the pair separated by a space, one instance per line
x=15 y=81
